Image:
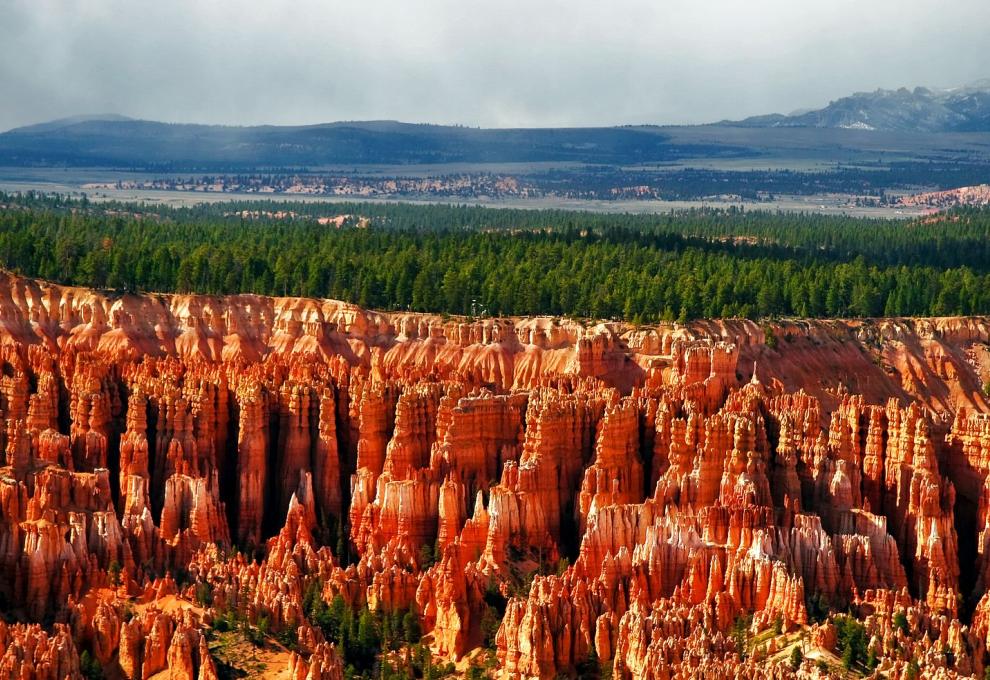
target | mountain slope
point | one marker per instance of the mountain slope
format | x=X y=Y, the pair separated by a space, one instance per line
x=111 y=141
x=138 y=143
x=964 y=109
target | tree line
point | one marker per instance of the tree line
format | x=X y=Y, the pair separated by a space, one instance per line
x=475 y=261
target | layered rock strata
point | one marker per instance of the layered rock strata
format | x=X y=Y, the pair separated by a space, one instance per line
x=569 y=496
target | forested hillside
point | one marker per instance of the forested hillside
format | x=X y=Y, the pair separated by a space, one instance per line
x=478 y=261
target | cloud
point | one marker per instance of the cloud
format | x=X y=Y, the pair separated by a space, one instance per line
x=510 y=63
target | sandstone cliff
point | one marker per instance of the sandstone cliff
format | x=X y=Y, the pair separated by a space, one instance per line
x=567 y=495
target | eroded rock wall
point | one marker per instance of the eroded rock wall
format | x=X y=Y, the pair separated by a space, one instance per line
x=565 y=495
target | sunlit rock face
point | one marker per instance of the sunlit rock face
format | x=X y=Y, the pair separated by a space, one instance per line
x=570 y=497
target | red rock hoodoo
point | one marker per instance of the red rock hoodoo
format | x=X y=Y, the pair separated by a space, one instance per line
x=679 y=501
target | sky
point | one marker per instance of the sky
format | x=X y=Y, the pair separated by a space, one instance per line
x=507 y=63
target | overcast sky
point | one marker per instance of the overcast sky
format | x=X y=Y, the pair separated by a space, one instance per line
x=497 y=63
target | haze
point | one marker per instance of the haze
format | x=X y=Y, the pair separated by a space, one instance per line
x=504 y=64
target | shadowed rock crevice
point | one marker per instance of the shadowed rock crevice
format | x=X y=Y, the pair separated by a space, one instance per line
x=538 y=496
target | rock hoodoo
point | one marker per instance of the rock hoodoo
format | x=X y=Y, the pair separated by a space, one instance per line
x=569 y=497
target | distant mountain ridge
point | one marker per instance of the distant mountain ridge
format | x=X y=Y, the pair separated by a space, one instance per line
x=961 y=109
x=60 y=123
x=127 y=143
x=113 y=141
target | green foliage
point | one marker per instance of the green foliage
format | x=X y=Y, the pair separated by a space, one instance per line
x=490 y=622
x=495 y=604
x=423 y=665
x=818 y=608
x=482 y=666
x=913 y=671
x=204 y=594
x=181 y=576
x=288 y=637
x=428 y=555
x=259 y=631
x=741 y=633
x=871 y=659
x=114 y=571
x=410 y=628
x=481 y=261
x=797 y=657
x=221 y=624
x=317 y=611
x=593 y=667
x=901 y=622
x=769 y=339
x=778 y=625
x=368 y=637
x=363 y=636
x=90 y=667
x=852 y=640
x=337 y=530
